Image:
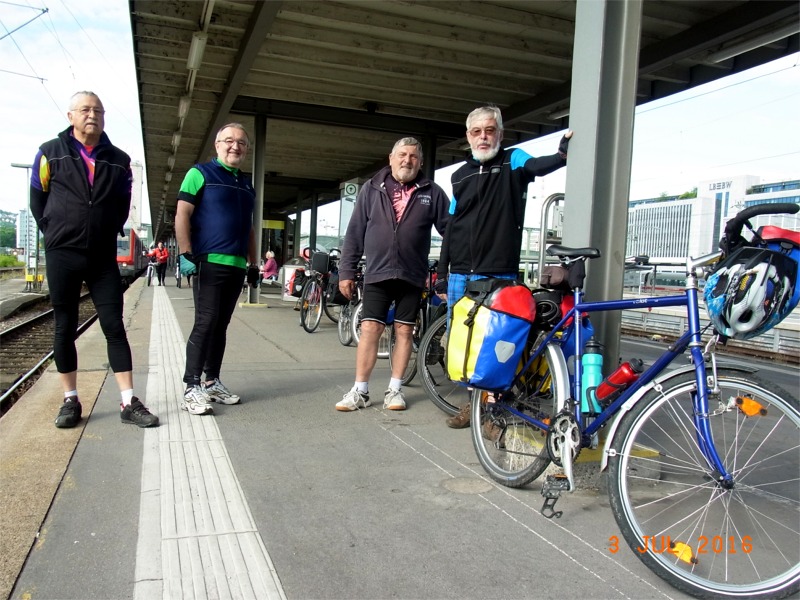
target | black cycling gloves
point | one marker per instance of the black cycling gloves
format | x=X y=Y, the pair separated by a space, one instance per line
x=252 y=275
x=563 y=145
x=440 y=287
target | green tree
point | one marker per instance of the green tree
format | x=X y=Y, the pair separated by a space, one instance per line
x=8 y=235
x=690 y=194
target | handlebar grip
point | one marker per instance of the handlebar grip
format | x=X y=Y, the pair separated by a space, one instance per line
x=733 y=228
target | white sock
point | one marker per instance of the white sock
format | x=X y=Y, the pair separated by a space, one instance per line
x=71 y=395
x=127 y=397
x=395 y=384
x=362 y=386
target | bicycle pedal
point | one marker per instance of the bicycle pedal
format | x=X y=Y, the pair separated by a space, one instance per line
x=552 y=488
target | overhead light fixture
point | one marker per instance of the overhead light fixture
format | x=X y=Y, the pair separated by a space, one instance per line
x=183 y=106
x=176 y=139
x=171 y=162
x=195 y=59
x=168 y=176
x=559 y=114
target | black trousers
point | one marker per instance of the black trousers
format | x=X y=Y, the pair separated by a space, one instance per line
x=67 y=270
x=216 y=291
x=161 y=272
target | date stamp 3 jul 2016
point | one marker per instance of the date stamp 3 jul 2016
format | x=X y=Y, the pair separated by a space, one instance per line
x=685 y=550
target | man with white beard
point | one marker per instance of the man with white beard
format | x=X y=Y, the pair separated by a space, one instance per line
x=487 y=212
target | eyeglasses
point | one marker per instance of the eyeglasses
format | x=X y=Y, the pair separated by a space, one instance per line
x=86 y=110
x=477 y=131
x=232 y=142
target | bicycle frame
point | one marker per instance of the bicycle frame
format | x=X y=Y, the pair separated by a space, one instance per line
x=590 y=424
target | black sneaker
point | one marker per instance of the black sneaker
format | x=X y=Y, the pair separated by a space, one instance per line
x=69 y=414
x=136 y=414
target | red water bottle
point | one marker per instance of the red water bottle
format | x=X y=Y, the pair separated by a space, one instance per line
x=613 y=385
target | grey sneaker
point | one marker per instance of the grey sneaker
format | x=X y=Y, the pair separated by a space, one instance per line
x=196 y=401
x=394 y=400
x=217 y=392
x=353 y=400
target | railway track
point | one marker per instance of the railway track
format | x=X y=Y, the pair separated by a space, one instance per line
x=27 y=348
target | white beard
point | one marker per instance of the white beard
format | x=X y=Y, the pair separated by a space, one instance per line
x=486 y=155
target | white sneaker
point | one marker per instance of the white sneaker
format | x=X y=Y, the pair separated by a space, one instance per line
x=196 y=401
x=217 y=392
x=394 y=400
x=353 y=400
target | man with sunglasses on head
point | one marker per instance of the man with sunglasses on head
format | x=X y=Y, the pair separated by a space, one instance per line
x=80 y=197
x=214 y=228
x=487 y=212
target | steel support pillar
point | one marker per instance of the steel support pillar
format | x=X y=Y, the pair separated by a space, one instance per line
x=602 y=107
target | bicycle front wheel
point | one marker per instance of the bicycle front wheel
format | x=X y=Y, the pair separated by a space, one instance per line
x=345 y=325
x=708 y=539
x=511 y=450
x=149 y=276
x=311 y=305
x=444 y=393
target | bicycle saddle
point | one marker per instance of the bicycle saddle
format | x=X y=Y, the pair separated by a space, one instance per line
x=564 y=251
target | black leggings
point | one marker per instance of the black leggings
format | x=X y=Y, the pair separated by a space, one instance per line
x=67 y=269
x=161 y=272
x=216 y=292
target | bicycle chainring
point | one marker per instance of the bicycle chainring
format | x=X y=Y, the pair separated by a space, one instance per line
x=562 y=428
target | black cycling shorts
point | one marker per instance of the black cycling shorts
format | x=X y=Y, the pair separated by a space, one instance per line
x=378 y=297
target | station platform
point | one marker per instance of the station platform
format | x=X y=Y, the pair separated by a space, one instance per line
x=280 y=496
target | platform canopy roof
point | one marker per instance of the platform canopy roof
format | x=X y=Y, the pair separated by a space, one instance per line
x=339 y=81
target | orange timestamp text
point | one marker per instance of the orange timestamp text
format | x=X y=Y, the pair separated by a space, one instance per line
x=717 y=544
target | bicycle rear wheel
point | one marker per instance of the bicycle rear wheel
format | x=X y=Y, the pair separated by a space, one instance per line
x=178 y=276
x=444 y=393
x=331 y=310
x=311 y=305
x=345 y=325
x=706 y=539
x=511 y=450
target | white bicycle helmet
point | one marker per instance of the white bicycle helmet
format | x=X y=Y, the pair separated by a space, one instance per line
x=750 y=292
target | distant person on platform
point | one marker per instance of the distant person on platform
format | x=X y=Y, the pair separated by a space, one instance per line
x=269 y=270
x=161 y=254
x=214 y=228
x=80 y=197
x=391 y=225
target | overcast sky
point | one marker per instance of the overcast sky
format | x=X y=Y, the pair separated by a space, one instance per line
x=744 y=124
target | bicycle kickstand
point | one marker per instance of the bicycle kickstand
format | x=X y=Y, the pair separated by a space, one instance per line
x=552 y=488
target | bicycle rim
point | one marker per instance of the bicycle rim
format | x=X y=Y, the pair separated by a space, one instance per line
x=345 y=325
x=330 y=310
x=444 y=393
x=512 y=451
x=356 y=322
x=704 y=539
x=311 y=307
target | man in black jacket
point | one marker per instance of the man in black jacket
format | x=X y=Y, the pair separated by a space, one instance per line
x=391 y=225
x=80 y=198
x=487 y=212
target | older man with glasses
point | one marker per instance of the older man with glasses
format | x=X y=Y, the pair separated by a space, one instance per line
x=487 y=212
x=80 y=198
x=214 y=227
